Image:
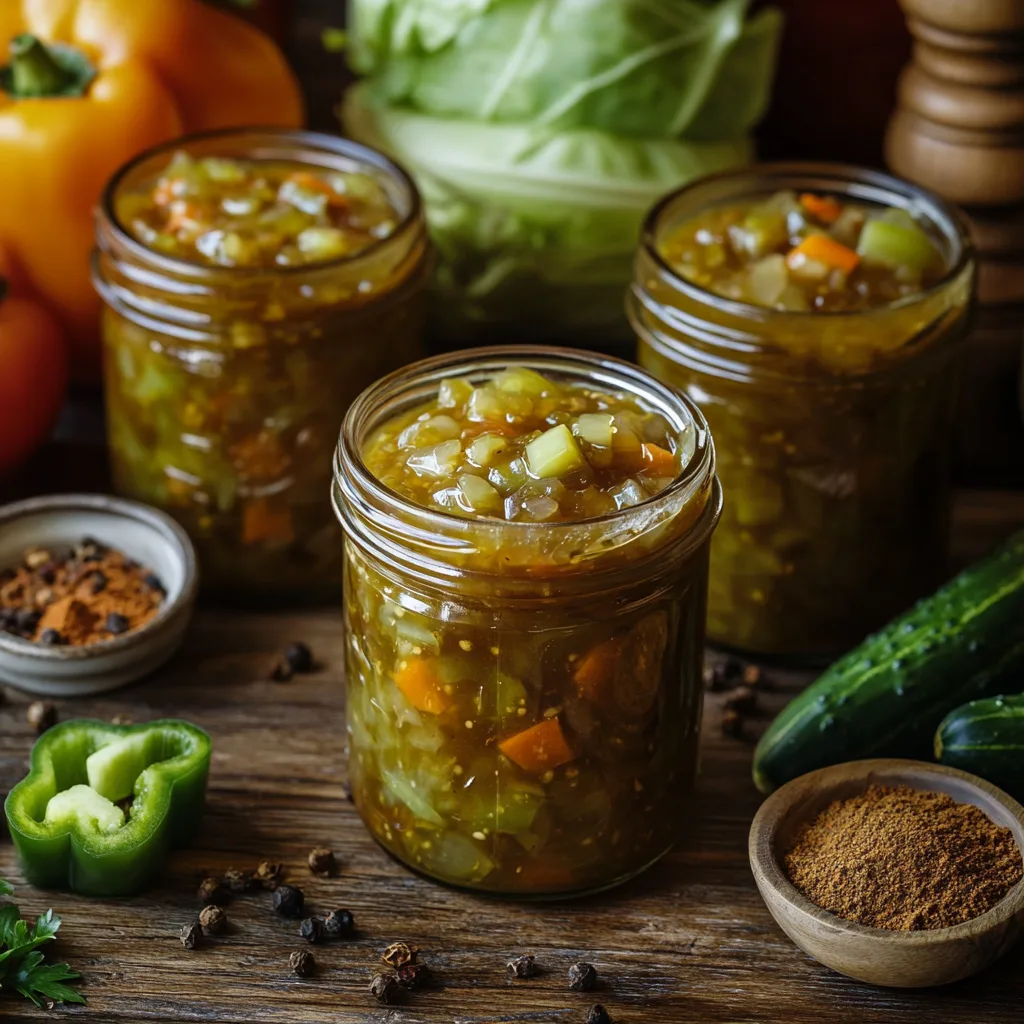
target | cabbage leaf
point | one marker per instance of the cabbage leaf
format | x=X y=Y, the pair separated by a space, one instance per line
x=649 y=68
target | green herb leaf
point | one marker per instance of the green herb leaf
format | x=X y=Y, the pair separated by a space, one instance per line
x=6 y=889
x=334 y=40
x=36 y=981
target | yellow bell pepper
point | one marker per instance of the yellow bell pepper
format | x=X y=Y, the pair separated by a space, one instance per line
x=90 y=83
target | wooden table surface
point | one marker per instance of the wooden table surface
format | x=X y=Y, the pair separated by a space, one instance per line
x=688 y=941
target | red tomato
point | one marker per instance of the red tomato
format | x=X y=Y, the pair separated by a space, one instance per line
x=33 y=375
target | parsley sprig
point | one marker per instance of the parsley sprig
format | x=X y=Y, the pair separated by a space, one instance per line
x=23 y=967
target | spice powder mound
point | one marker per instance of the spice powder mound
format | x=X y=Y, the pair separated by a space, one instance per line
x=80 y=597
x=904 y=860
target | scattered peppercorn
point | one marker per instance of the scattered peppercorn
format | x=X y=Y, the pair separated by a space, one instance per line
x=732 y=724
x=84 y=596
x=238 y=881
x=268 y=874
x=340 y=924
x=154 y=582
x=582 y=977
x=299 y=658
x=191 y=935
x=116 y=623
x=41 y=715
x=413 y=976
x=211 y=891
x=121 y=719
x=280 y=673
x=597 y=1014
x=742 y=700
x=312 y=929
x=385 y=988
x=322 y=861
x=523 y=967
x=213 y=919
x=288 y=901
x=398 y=953
x=302 y=963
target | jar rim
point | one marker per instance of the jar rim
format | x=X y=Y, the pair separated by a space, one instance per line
x=354 y=483
x=304 y=141
x=823 y=176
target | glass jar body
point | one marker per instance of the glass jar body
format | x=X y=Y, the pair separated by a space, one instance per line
x=612 y=651
x=224 y=386
x=836 y=471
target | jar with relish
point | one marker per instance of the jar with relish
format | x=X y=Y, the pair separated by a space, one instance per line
x=255 y=281
x=815 y=314
x=526 y=548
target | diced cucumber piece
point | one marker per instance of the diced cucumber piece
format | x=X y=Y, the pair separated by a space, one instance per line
x=454 y=393
x=511 y=697
x=595 y=428
x=478 y=494
x=520 y=381
x=766 y=280
x=433 y=430
x=488 y=403
x=113 y=770
x=437 y=460
x=323 y=243
x=404 y=790
x=554 y=453
x=484 y=449
x=85 y=807
x=508 y=476
x=302 y=198
x=893 y=245
x=628 y=494
x=222 y=170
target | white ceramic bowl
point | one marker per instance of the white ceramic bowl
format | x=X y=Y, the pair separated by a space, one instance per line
x=151 y=538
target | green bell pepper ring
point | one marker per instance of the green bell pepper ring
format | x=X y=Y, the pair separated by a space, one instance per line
x=82 y=840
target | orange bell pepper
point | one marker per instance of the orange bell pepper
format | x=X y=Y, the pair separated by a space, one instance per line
x=91 y=83
x=33 y=369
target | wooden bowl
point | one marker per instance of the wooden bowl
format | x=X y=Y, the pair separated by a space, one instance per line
x=877 y=956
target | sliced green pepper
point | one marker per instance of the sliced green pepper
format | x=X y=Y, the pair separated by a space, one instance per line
x=64 y=819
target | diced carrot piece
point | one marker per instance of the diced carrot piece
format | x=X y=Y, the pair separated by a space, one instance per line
x=539 y=748
x=312 y=183
x=824 y=208
x=418 y=682
x=166 y=191
x=596 y=669
x=658 y=460
x=261 y=521
x=824 y=250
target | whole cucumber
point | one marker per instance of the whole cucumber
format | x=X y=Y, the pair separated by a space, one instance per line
x=986 y=738
x=887 y=696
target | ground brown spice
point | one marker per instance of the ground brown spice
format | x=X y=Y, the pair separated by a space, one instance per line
x=904 y=859
x=89 y=594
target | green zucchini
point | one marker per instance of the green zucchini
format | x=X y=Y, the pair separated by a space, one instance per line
x=986 y=738
x=887 y=696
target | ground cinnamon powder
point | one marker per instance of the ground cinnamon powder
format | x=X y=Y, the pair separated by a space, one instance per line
x=85 y=595
x=904 y=859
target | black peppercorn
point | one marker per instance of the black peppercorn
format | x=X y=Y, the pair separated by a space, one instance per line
x=413 y=976
x=191 y=935
x=97 y=582
x=51 y=637
x=523 y=967
x=732 y=668
x=268 y=874
x=732 y=723
x=41 y=715
x=298 y=657
x=211 y=891
x=385 y=988
x=312 y=929
x=398 y=953
x=340 y=924
x=302 y=963
x=288 y=901
x=597 y=1014
x=26 y=620
x=582 y=977
x=213 y=920
x=742 y=700
x=238 y=881
x=280 y=673
x=153 y=581
x=116 y=624
x=322 y=861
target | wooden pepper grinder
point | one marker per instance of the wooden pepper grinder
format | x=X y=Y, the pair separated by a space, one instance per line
x=958 y=129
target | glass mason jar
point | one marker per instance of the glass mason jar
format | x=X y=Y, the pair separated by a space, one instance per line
x=224 y=384
x=836 y=472
x=507 y=609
